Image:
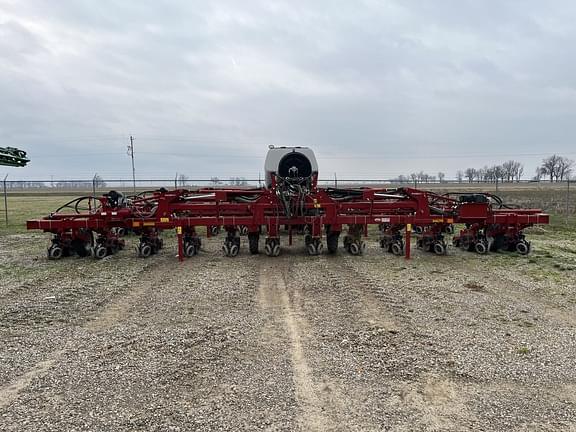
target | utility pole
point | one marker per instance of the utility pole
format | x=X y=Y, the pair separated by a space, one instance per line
x=131 y=154
x=567 y=200
x=5 y=200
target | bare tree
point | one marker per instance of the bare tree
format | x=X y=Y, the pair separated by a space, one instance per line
x=550 y=167
x=512 y=170
x=519 y=172
x=481 y=174
x=565 y=168
x=441 y=177
x=499 y=173
x=470 y=174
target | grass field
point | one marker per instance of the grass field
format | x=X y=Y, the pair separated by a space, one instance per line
x=22 y=208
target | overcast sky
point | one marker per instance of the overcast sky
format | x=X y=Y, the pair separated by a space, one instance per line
x=376 y=88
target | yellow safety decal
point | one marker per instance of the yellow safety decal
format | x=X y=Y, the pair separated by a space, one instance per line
x=165 y=219
x=316 y=204
x=408 y=227
x=149 y=224
x=450 y=220
x=178 y=230
x=437 y=220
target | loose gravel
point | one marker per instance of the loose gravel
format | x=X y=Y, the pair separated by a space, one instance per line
x=326 y=343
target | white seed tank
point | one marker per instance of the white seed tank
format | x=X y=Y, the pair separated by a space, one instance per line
x=289 y=162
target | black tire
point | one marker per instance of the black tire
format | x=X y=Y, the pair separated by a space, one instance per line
x=55 y=252
x=234 y=249
x=144 y=250
x=332 y=242
x=397 y=248
x=523 y=248
x=481 y=248
x=100 y=252
x=253 y=240
x=439 y=248
x=189 y=250
x=354 y=249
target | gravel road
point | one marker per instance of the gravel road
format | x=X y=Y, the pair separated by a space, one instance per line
x=327 y=343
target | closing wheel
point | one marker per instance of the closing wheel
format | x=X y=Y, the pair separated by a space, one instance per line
x=481 y=247
x=234 y=249
x=276 y=250
x=189 y=250
x=272 y=247
x=523 y=247
x=226 y=249
x=397 y=248
x=144 y=250
x=312 y=249
x=319 y=247
x=55 y=252
x=100 y=252
x=354 y=248
x=243 y=230
x=439 y=248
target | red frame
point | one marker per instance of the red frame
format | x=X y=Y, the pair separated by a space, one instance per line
x=184 y=210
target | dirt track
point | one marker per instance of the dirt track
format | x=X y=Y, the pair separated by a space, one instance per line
x=462 y=342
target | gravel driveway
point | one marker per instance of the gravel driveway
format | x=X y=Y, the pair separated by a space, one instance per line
x=455 y=343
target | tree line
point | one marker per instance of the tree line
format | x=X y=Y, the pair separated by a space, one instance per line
x=554 y=168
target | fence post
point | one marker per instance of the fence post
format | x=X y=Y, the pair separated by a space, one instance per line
x=567 y=200
x=176 y=181
x=5 y=200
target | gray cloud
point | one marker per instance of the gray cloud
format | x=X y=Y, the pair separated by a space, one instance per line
x=378 y=88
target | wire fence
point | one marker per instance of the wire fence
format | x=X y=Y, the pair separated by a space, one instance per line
x=178 y=182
